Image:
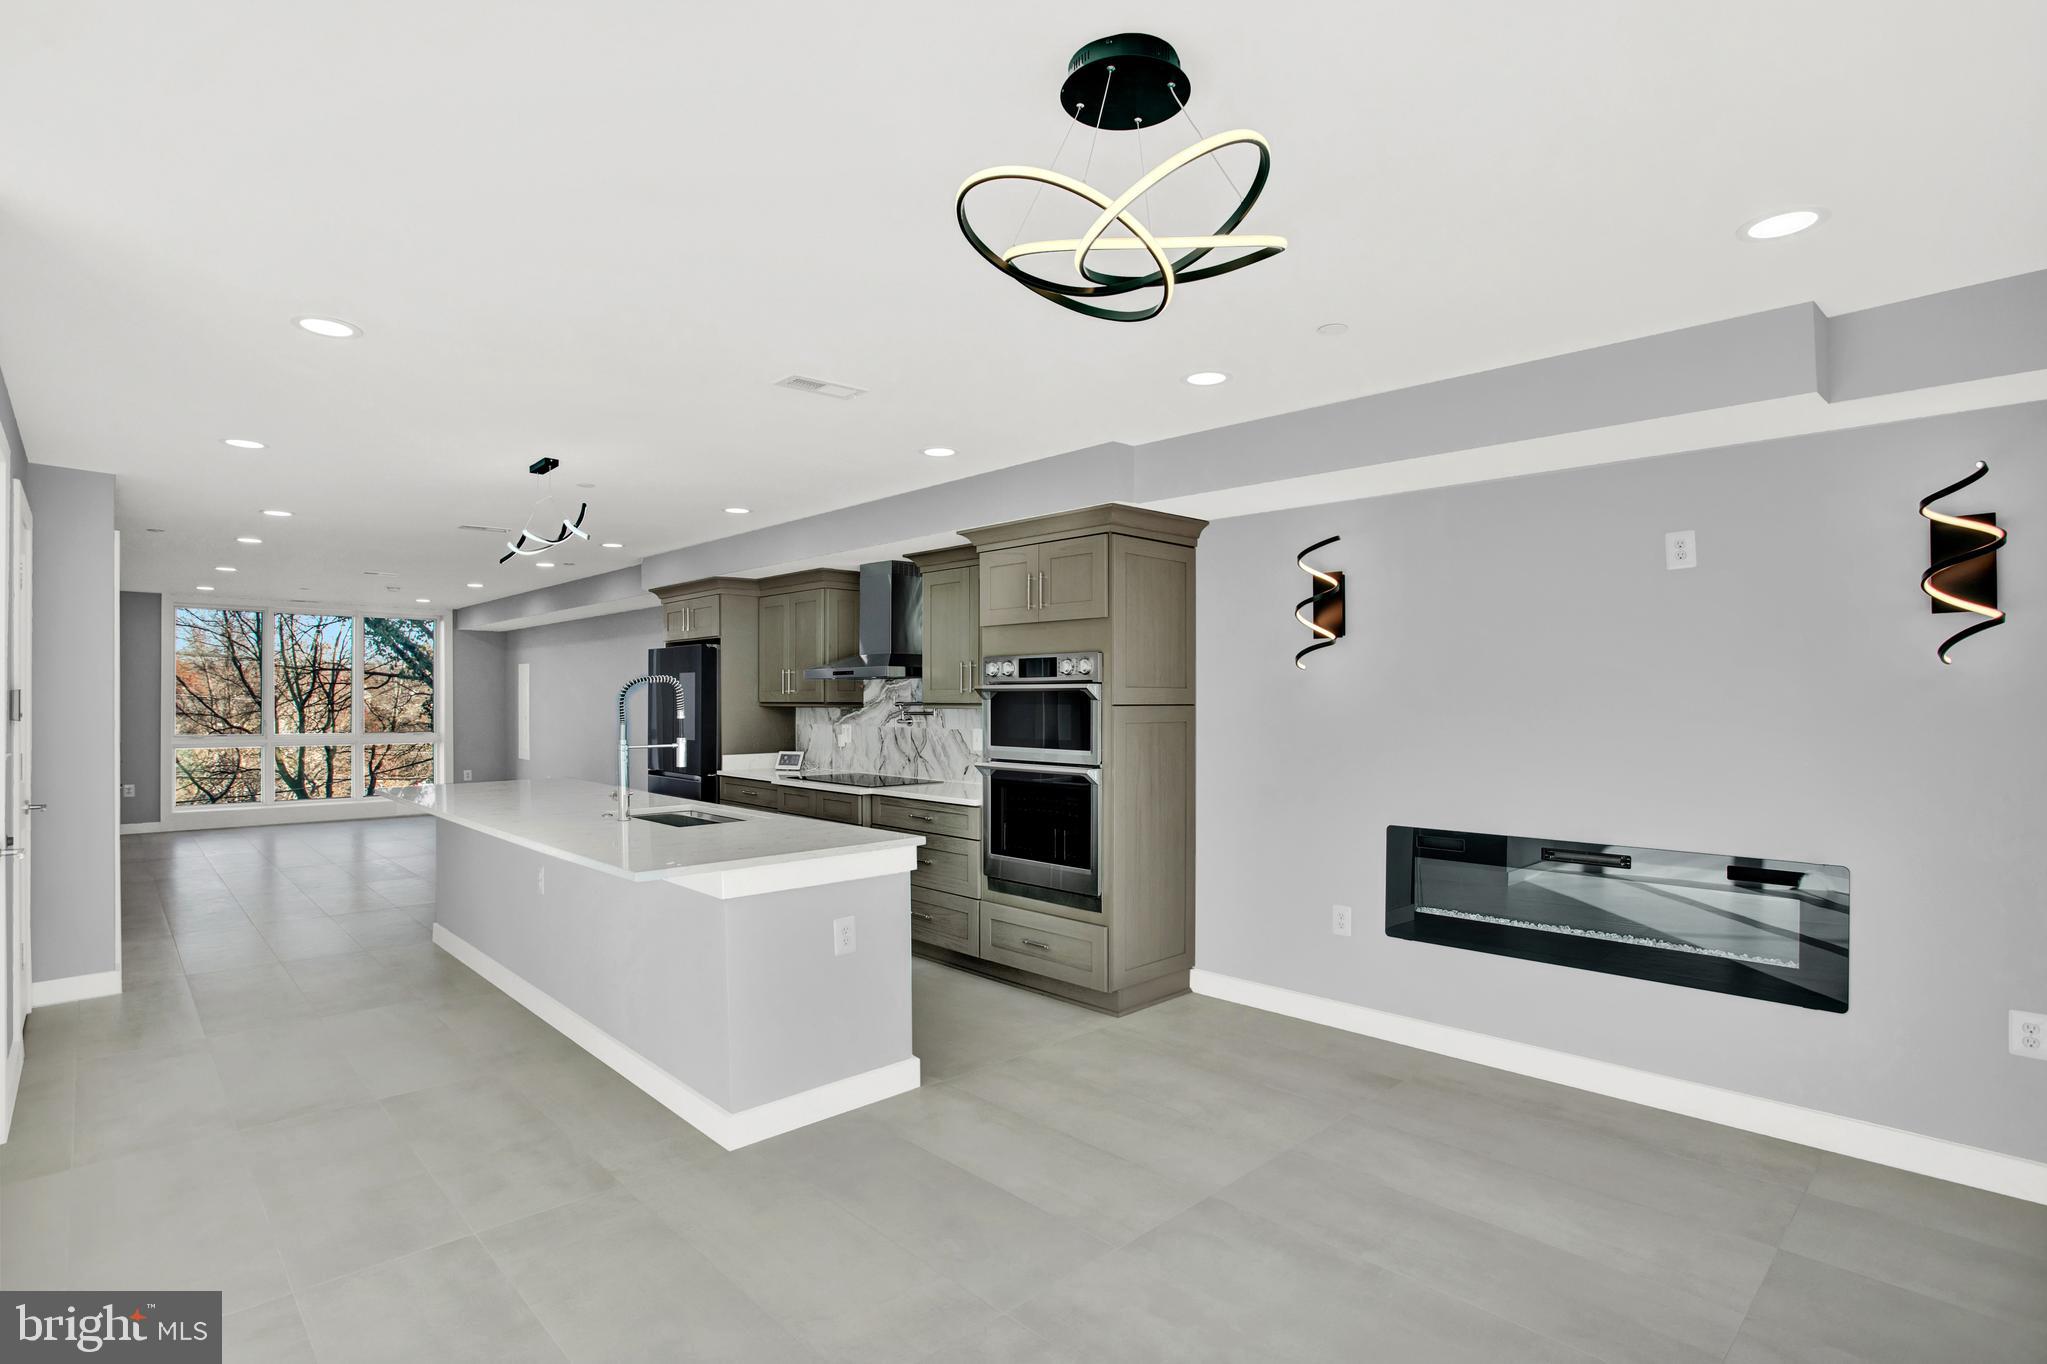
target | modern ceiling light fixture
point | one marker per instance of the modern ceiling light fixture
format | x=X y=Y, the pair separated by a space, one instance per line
x=1125 y=83
x=1787 y=224
x=333 y=328
x=530 y=542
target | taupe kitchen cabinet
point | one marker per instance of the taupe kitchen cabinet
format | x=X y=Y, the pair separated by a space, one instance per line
x=1054 y=581
x=952 y=626
x=725 y=611
x=806 y=621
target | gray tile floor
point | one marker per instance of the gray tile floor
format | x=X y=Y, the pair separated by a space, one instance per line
x=376 y=1156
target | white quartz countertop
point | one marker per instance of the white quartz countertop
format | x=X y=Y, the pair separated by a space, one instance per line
x=759 y=851
x=940 y=792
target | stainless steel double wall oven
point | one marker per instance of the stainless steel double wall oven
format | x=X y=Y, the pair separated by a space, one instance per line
x=1041 y=786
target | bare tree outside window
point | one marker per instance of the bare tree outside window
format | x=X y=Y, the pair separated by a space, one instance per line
x=217 y=672
x=314 y=671
x=217 y=776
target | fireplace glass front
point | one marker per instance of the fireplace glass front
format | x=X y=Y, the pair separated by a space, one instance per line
x=1760 y=927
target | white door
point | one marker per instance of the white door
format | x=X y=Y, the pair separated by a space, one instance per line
x=20 y=609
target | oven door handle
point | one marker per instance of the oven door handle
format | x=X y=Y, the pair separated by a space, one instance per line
x=1093 y=689
x=1093 y=774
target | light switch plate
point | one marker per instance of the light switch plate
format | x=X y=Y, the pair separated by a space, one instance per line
x=128 y=790
x=1681 y=549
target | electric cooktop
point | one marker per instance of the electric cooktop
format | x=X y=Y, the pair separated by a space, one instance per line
x=859 y=779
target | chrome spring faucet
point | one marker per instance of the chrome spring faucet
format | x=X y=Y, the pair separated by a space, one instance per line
x=626 y=747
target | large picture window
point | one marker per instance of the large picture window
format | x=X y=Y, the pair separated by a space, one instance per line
x=294 y=705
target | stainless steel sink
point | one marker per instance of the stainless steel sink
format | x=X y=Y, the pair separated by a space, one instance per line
x=684 y=819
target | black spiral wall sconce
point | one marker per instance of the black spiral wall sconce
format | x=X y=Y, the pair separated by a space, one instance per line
x=1323 y=607
x=1963 y=573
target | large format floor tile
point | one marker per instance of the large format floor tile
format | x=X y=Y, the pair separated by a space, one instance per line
x=377 y=1156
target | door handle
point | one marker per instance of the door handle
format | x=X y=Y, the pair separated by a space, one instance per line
x=13 y=852
x=35 y=807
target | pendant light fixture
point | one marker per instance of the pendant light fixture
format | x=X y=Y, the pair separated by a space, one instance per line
x=1126 y=83
x=530 y=542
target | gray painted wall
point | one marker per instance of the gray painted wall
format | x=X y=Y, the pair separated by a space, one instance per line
x=577 y=669
x=74 y=859
x=1520 y=661
x=480 y=739
x=142 y=706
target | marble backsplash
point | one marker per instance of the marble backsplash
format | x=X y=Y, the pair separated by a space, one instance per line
x=941 y=746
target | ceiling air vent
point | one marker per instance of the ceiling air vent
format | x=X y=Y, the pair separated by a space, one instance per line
x=821 y=387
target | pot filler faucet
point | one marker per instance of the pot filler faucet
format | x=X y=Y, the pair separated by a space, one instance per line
x=625 y=747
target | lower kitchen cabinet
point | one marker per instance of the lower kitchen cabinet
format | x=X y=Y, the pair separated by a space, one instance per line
x=837 y=806
x=760 y=795
x=1062 y=949
x=948 y=865
x=950 y=921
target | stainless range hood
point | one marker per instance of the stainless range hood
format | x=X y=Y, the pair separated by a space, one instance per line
x=891 y=626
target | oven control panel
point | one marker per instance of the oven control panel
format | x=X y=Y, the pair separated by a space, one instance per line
x=1018 y=669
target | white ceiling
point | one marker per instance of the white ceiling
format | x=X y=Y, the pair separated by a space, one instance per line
x=602 y=231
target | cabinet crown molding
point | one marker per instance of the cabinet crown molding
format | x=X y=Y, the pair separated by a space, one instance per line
x=704 y=587
x=1117 y=517
x=808 y=577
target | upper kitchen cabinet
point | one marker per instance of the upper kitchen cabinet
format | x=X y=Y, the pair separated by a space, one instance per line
x=1113 y=578
x=1058 y=580
x=952 y=625
x=806 y=621
x=696 y=611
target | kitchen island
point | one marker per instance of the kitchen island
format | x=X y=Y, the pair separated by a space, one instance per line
x=751 y=972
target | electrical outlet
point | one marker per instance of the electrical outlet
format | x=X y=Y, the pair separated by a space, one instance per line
x=2028 y=1035
x=1339 y=920
x=1681 y=549
x=842 y=936
x=128 y=790
x=465 y=774
x=845 y=734
x=540 y=881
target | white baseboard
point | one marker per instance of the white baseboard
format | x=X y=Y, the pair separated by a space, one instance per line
x=10 y=1093
x=66 y=989
x=281 y=812
x=729 y=1129
x=1934 y=1156
x=145 y=826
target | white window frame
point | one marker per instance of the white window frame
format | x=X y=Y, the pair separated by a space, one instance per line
x=269 y=740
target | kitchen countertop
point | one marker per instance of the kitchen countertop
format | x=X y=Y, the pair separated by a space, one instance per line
x=939 y=792
x=760 y=851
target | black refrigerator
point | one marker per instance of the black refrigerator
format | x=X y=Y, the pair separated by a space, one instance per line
x=693 y=775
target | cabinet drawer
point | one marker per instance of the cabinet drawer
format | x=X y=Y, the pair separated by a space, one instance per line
x=946 y=920
x=951 y=865
x=758 y=794
x=925 y=817
x=1059 y=948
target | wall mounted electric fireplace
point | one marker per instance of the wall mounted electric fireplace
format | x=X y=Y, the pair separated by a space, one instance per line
x=1741 y=925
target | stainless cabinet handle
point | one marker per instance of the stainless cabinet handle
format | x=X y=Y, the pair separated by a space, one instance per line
x=921 y=819
x=1033 y=942
x=920 y=915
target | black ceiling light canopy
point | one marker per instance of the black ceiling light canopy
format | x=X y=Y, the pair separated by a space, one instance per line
x=1127 y=82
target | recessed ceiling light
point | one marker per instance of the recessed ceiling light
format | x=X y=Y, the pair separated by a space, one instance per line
x=272 y=511
x=738 y=511
x=223 y=568
x=154 y=530
x=332 y=327
x=1204 y=378
x=613 y=544
x=202 y=588
x=1786 y=224
x=586 y=485
x=543 y=564
x=1332 y=329
x=941 y=452
x=244 y=444
x=423 y=600
x=476 y=585
x=247 y=540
